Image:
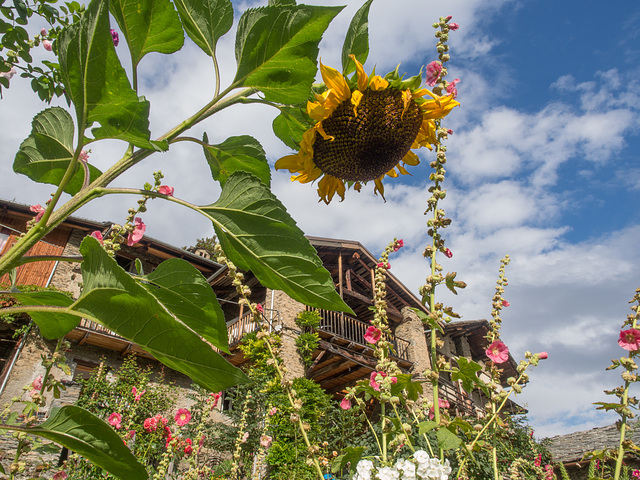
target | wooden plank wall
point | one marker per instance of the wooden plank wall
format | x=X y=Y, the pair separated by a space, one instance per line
x=36 y=273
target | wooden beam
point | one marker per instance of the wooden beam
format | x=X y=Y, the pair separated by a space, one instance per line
x=315 y=363
x=84 y=339
x=332 y=368
x=340 y=273
x=359 y=296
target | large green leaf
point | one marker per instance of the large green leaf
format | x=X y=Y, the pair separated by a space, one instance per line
x=148 y=26
x=356 y=41
x=237 y=154
x=84 y=433
x=205 y=21
x=277 y=48
x=113 y=298
x=52 y=324
x=182 y=289
x=257 y=234
x=290 y=125
x=97 y=84
x=45 y=155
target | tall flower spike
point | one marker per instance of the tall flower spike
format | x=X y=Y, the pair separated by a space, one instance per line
x=364 y=134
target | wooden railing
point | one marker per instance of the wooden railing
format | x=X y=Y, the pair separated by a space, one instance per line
x=459 y=400
x=96 y=327
x=240 y=327
x=353 y=330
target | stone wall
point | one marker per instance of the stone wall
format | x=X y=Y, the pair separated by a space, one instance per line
x=412 y=329
x=288 y=309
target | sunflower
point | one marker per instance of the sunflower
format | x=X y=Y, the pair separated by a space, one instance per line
x=365 y=129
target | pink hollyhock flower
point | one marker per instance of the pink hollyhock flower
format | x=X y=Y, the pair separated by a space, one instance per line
x=215 y=398
x=433 y=73
x=188 y=449
x=451 y=88
x=543 y=355
x=386 y=266
x=448 y=253
x=37 y=383
x=538 y=461
x=138 y=232
x=345 y=404
x=115 y=37
x=454 y=26
x=630 y=339
x=505 y=303
x=98 y=236
x=165 y=190
x=48 y=45
x=115 y=419
x=372 y=380
x=182 y=417
x=260 y=308
x=160 y=419
x=442 y=403
x=245 y=437
x=44 y=32
x=59 y=475
x=265 y=441
x=137 y=395
x=150 y=424
x=372 y=335
x=84 y=156
x=399 y=244
x=635 y=474
x=498 y=352
x=449 y=131
x=38 y=210
x=273 y=411
x=448 y=17
x=131 y=434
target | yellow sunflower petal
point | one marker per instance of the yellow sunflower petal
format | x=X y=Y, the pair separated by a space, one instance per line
x=308 y=139
x=392 y=173
x=317 y=111
x=411 y=159
x=406 y=100
x=378 y=83
x=379 y=188
x=363 y=78
x=329 y=186
x=420 y=93
x=293 y=163
x=308 y=176
x=334 y=80
x=357 y=186
x=356 y=98
x=402 y=170
x=320 y=130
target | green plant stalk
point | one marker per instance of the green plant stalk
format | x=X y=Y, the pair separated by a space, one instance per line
x=424 y=434
x=383 y=419
x=494 y=451
x=51 y=219
x=625 y=406
x=409 y=443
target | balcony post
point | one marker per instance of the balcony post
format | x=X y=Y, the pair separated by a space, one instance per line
x=412 y=329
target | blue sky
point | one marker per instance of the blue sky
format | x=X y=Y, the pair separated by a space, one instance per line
x=543 y=165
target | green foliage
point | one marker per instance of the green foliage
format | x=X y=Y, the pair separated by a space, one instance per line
x=308 y=319
x=262 y=56
x=290 y=125
x=357 y=40
x=257 y=234
x=52 y=324
x=237 y=154
x=306 y=343
x=47 y=152
x=205 y=22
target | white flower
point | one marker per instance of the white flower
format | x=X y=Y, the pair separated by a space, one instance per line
x=408 y=469
x=363 y=470
x=421 y=456
x=388 y=473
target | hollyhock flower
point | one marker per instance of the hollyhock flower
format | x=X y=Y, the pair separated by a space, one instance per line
x=160 y=419
x=48 y=45
x=137 y=394
x=448 y=17
x=44 y=32
x=215 y=398
x=188 y=448
x=37 y=383
x=131 y=434
x=59 y=475
x=372 y=335
x=84 y=156
x=115 y=419
x=265 y=441
x=387 y=473
x=138 y=232
x=449 y=131
x=165 y=190
x=38 y=210
x=399 y=244
x=451 y=88
x=505 y=303
x=345 y=404
x=543 y=355
x=182 y=417
x=442 y=403
x=448 y=253
x=454 y=26
x=245 y=437
x=630 y=339
x=273 y=411
x=363 y=469
x=635 y=474
x=98 y=236
x=498 y=352
x=115 y=37
x=8 y=75
x=150 y=424
x=433 y=73
x=386 y=266
x=259 y=308
x=538 y=461
x=373 y=382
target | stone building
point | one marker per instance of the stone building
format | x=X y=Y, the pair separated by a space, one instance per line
x=342 y=357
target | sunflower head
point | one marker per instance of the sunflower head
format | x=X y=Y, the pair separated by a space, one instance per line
x=365 y=128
